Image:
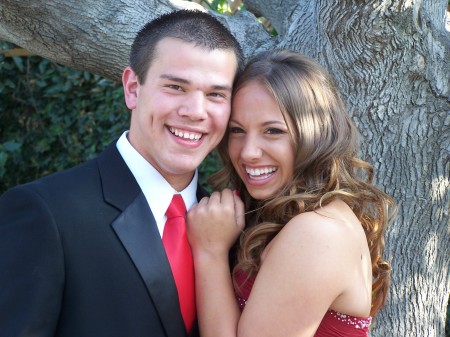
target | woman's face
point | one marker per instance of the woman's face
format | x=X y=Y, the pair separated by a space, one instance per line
x=259 y=144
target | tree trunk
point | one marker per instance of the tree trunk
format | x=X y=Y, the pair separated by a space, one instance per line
x=391 y=62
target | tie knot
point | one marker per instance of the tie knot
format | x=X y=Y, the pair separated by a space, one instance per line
x=177 y=208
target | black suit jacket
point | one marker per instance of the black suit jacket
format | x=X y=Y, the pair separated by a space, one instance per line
x=81 y=256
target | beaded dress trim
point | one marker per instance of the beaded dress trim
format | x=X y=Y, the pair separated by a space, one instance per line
x=333 y=324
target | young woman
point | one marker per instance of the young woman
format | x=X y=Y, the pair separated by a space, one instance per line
x=309 y=261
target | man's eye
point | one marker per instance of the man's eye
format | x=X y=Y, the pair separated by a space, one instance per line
x=175 y=87
x=218 y=97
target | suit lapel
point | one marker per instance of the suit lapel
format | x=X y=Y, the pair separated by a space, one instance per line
x=119 y=185
x=201 y=192
x=137 y=230
x=139 y=235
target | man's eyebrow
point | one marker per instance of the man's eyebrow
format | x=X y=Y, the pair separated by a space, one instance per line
x=222 y=87
x=174 y=78
x=185 y=81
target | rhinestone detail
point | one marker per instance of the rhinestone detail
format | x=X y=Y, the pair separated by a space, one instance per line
x=357 y=322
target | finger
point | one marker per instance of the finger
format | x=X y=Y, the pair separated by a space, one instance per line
x=215 y=197
x=204 y=201
x=227 y=197
x=239 y=208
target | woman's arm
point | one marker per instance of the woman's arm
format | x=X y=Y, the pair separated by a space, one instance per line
x=302 y=273
x=213 y=227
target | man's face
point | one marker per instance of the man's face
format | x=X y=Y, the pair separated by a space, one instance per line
x=181 y=111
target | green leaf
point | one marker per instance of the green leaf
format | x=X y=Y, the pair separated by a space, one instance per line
x=11 y=146
x=19 y=63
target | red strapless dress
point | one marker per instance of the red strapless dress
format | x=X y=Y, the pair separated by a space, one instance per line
x=334 y=324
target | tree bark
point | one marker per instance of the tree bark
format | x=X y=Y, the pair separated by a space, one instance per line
x=97 y=35
x=391 y=62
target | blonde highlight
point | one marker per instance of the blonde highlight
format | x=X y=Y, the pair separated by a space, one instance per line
x=326 y=165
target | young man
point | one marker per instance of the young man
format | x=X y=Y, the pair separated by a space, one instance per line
x=83 y=252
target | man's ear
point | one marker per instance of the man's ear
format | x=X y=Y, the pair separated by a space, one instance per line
x=130 y=87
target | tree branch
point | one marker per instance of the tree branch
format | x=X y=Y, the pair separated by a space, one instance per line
x=96 y=35
x=278 y=12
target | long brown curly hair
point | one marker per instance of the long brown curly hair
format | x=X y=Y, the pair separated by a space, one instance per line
x=326 y=164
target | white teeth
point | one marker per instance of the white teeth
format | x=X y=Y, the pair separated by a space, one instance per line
x=186 y=134
x=260 y=171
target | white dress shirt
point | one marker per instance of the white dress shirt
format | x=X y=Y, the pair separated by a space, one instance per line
x=156 y=189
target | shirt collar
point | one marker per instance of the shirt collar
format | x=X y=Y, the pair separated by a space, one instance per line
x=156 y=189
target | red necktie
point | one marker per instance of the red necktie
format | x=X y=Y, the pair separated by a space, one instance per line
x=180 y=258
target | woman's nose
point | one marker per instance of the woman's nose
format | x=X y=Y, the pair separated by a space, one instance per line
x=251 y=148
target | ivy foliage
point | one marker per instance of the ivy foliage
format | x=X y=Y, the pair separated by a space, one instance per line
x=53 y=117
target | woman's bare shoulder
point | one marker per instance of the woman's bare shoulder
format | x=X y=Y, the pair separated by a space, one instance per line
x=306 y=258
x=326 y=236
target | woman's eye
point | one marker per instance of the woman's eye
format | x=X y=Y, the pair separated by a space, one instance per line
x=235 y=129
x=274 y=131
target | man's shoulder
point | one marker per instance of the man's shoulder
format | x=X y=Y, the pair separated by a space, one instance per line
x=62 y=182
x=80 y=173
x=66 y=180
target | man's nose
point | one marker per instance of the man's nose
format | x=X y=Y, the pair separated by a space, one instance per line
x=195 y=106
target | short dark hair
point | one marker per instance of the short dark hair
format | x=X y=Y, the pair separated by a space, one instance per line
x=192 y=26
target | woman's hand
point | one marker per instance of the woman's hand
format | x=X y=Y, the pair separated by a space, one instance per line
x=214 y=224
